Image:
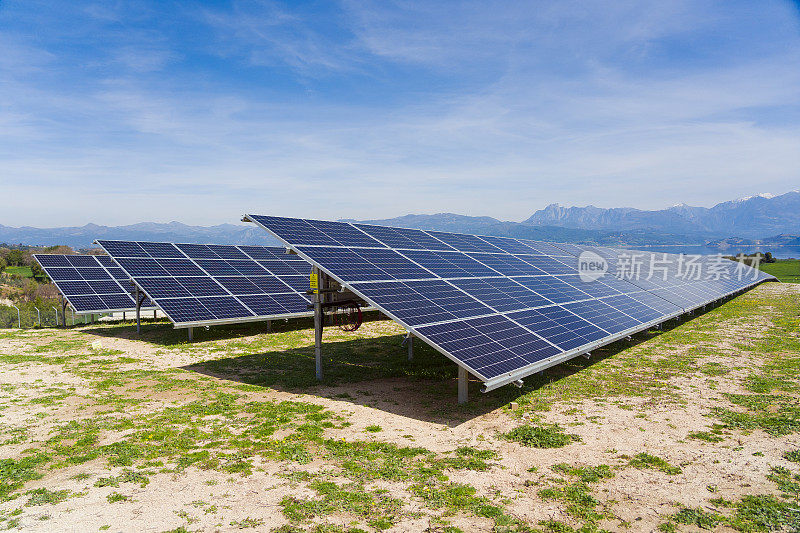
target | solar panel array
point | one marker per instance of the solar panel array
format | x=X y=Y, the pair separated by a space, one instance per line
x=204 y=284
x=92 y=284
x=501 y=307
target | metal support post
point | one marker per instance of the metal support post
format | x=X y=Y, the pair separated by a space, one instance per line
x=123 y=316
x=191 y=334
x=19 y=316
x=154 y=314
x=318 y=325
x=269 y=326
x=64 y=313
x=410 y=347
x=56 y=310
x=463 y=385
x=138 y=312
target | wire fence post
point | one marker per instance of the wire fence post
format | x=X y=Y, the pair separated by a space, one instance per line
x=19 y=317
x=56 y=310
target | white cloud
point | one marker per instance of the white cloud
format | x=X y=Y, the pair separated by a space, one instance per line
x=496 y=112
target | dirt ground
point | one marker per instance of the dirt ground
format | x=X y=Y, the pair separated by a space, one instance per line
x=62 y=400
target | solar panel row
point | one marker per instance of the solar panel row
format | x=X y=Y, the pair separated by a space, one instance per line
x=199 y=284
x=92 y=284
x=503 y=307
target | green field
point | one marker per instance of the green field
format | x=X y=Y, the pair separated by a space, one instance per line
x=786 y=270
x=22 y=271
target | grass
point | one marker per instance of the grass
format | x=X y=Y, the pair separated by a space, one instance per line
x=541 y=436
x=786 y=270
x=646 y=461
x=21 y=271
x=232 y=411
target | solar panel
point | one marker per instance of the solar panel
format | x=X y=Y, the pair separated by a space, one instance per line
x=91 y=284
x=500 y=307
x=206 y=284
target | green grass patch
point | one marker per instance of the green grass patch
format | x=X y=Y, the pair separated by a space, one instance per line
x=586 y=474
x=786 y=270
x=551 y=436
x=647 y=461
x=43 y=496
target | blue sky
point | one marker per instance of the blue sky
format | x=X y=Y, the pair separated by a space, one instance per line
x=117 y=112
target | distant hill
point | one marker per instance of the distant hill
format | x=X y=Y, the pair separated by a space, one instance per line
x=82 y=237
x=748 y=219
x=753 y=217
x=737 y=242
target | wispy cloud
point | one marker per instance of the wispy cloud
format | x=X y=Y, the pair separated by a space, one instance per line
x=369 y=110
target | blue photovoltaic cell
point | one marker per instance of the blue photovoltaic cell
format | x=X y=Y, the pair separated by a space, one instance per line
x=53 y=260
x=162 y=288
x=552 y=288
x=225 y=307
x=508 y=265
x=289 y=268
x=272 y=284
x=197 y=283
x=344 y=234
x=180 y=267
x=263 y=252
x=404 y=239
x=93 y=273
x=195 y=251
x=248 y=268
x=82 y=261
x=74 y=287
x=449 y=264
x=227 y=252
x=297 y=231
x=136 y=267
x=499 y=304
x=89 y=284
x=217 y=267
x=596 y=288
x=512 y=246
x=161 y=249
x=501 y=294
x=634 y=308
x=61 y=273
x=464 y=243
x=394 y=264
x=239 y=285
x=475 y=343
x=346 y=264
x=559 y=326
x=185 y=310
x=602 y=315
x=550 y=265
x=405 y=303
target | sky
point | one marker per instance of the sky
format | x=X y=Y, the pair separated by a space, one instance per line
x=117 y=112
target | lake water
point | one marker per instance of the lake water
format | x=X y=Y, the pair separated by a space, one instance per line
x=779 y=252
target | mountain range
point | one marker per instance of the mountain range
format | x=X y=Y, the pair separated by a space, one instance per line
x=757 y=219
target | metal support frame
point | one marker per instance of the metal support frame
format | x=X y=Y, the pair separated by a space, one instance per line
x=318 y=319
x=64 y=313
x=463 y=385
x=269 y=326
x=410 y=346
x=19 y=316
x=56 y=310
x=191 y=333
x=138 y=312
